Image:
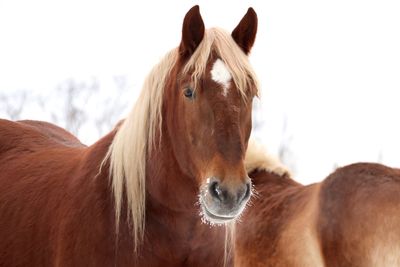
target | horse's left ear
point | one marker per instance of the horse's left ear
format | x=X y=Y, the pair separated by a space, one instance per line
x=245 y=32
x=192 y=32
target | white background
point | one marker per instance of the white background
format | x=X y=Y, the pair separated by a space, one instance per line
x=330 y=69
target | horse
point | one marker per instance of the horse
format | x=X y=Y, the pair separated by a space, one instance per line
x=349 y=219
x=148 y=192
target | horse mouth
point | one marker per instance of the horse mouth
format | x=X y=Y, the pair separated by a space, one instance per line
x=213 y=218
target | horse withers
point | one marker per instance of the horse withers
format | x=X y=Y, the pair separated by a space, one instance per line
x=138 y=196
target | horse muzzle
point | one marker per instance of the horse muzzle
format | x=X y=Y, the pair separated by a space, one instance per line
x=221 y=202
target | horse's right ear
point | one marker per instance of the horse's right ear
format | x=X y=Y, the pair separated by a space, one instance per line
x=192 y=32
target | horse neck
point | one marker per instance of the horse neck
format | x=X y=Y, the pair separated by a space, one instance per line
x=272 y=192
x=166 y=184
x=270 y=184
x=91 y=165
x=264 y=218
x=172 y=213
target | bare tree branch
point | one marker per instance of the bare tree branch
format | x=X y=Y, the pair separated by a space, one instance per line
x=13 y=104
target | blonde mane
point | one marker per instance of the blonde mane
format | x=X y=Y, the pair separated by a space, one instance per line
x=135 y=138
x=257 y=158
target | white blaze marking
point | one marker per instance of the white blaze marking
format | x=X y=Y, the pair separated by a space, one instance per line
x=221 y=75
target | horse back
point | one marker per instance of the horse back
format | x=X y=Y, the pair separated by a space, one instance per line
x=53 y=132
x=359 y=222
x=27 y=135
x=51 y=205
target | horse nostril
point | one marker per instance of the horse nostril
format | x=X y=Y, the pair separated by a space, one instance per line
x=246 y=194
x=216 y=191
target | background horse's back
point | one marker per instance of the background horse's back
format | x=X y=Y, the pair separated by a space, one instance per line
x=349 y=219
x=359 y=222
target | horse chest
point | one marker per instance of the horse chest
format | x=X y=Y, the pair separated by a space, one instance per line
x=183 y=244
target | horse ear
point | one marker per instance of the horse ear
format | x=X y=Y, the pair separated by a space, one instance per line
x=245 y=32
x=192 y=32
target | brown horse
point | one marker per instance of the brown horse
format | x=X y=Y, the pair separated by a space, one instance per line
x=138 y=196
x=349 y=219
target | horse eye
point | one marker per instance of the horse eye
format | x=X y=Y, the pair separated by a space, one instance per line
x=188 y=92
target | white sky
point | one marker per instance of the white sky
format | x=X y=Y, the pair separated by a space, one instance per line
x=331 y=67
